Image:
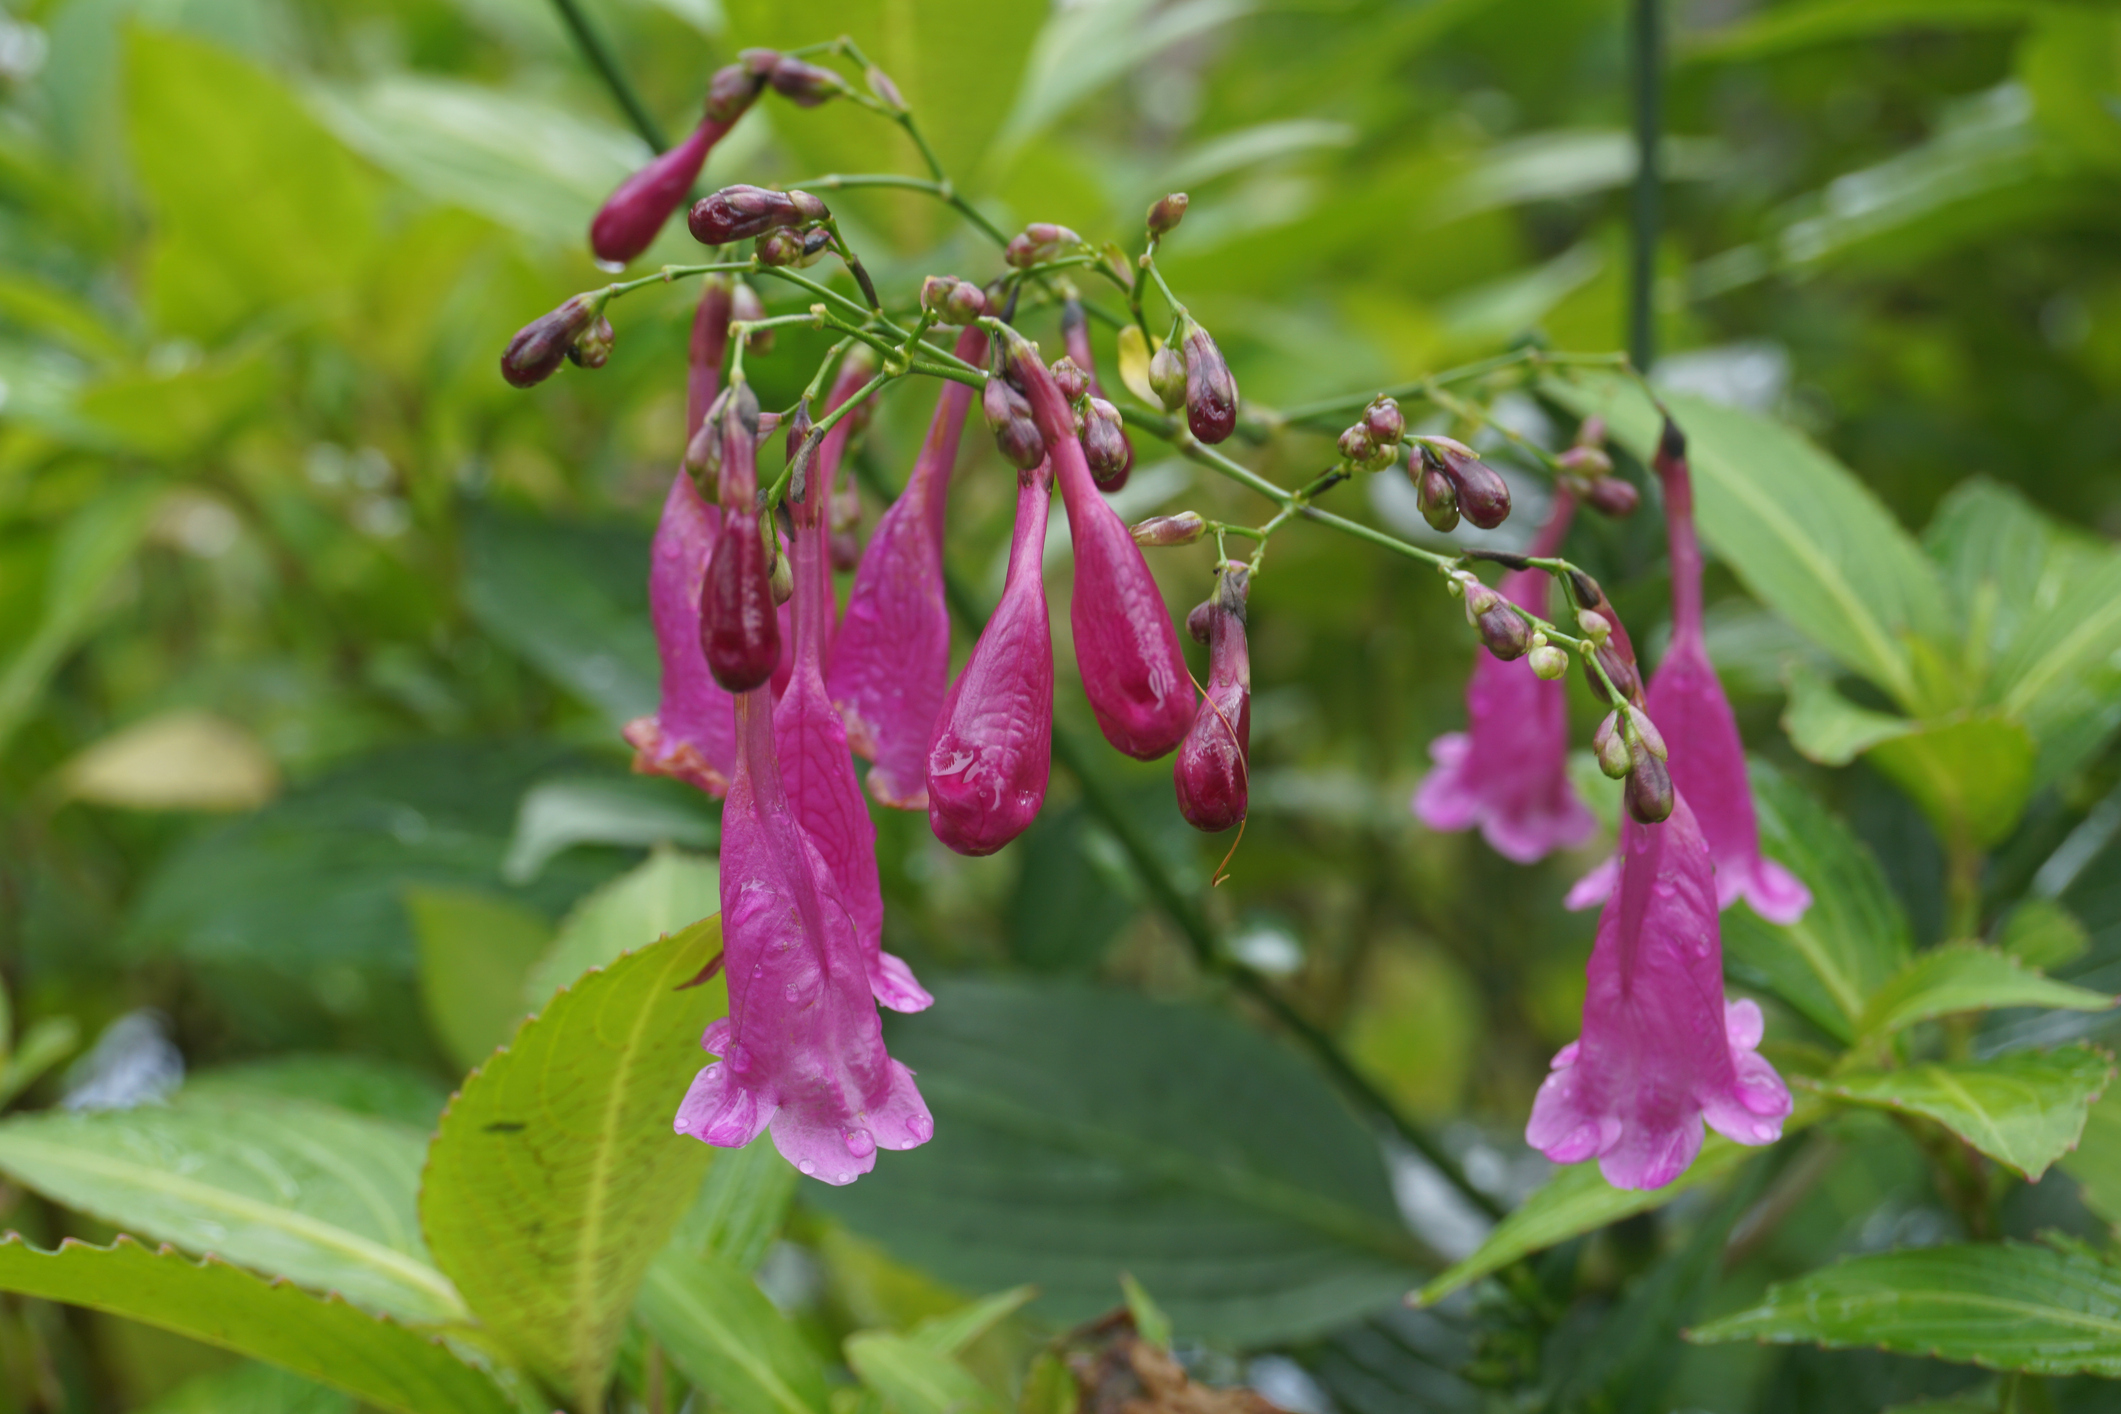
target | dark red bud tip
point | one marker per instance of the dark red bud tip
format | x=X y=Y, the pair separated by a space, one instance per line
x=630 y=219
x=1612 y=496
x=1211 y=390
x=1105 y=444
x=730 y=92
x=740 y=212
x=1434 y=493
x=1672 y=445
x=1197 y=621
x=1168 y=211
x=805 y=85
x=1504 y=632
x=536 y=351
x=1650 y=795
x=1385 y=422
x=1483 y=496
x=592 y=347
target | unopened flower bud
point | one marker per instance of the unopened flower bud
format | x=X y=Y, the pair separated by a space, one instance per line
x=592 y=347
x=740 y=212
x=1610 y=746
x=1168 y=211
x=1037 y=242
x=1503 y=631
x=1167 y=377
x=1591 y=431
x=846 y=550
x=1211 y=391
x=1355 y=445
x=1649 y=794
x=1586 y=462
x=1595 y=626
x=1483 y=496
x=1646 y=732
x=739 y=632
x=780 y=247
x=1612 y=496
x=1008 y=415
x=1211 y=774
x=881 y=85
x=759 y=63
x=1105 y=445
x=1197 y=621
x=1548 y=662
x=1479 y=598
x=783 y=579
x=745 y=306
x=538 y=347
x=805 y=85
x=1070 y=379
x=1434 y=494
x=1181 y=529
x=730 y=92
x=1387 y=424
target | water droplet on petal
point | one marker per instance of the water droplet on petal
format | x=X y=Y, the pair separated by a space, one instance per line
x=920 y=1127
x=860 y=1143
x=806 y=1167
x=611 y=267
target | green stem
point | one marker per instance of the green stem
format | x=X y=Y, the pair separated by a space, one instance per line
x=601 y=59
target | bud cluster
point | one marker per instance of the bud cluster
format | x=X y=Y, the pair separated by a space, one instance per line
x=1372 y=442
x=1450 y=481
x=1495 y=619
x=951 y=300
x=1587 y=472
x=737 y=213
x=1629 y=747
x=577 y=331
x=804 y=84
x=1039 y=242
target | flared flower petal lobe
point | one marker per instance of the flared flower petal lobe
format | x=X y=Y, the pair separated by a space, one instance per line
x=1661 y=1051
x=692 y=736
x=890 y=667
x=993 y=748
x=802 y=1050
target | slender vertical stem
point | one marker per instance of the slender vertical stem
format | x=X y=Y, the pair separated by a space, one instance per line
x=600 y=58
x=1648 y=46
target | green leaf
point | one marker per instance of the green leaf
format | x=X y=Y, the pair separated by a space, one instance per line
x=289 y=1188
x=475 y=952
x=2024 y=1109
x=1081 y=1133
x=1150 y=1322
x=178 y=415
x=725 y=1336
x=635 y=811
x=666 y=892
x=252 y=1389
x=370 y=1357
x=2042 y=933
x=50 y=1041
x=914 y=1379
x=1964 y=977
x=2062 y=650
x=740 y=1208
x=2096 y=1164
x=1073 y=892
x=353 y=1083
x=1850 y=941
x=950 y=1334
x=555 y=1177
x=1801 y=26
x=1826 y=727
x=1807 y=538
x=1998 y=558
x=2071 y=64
x=1972 y=776
x=2007 y=1307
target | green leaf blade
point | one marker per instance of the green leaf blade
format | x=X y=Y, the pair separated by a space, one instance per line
x=726 y=1337
x=2024 y=1109
x=1965 y=977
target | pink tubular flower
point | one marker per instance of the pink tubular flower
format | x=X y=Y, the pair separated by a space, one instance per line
x=627 y=223
x=993 y=747
x=1688 y=705
x=1125 y=647
x=1507 y=773
x=891 y=667
x=1661 y=1049
x=802 y=1049
x=817 y=773
x=692 y=735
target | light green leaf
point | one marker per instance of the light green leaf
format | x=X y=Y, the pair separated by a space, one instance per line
x=664 y=893
x=1807 y=538
x=370 y=1357
x=1801 y=26
x=2024 y=1109
x=1150 y=1322
x=1997 y=554
x=289 y=1188
x=2096 y=1163
x=2071 y=64
x=1971 y=775
x=2060 y=648
x=555 y=1177
x=1577 y=1200
x=740 y=1208
x=2042 y=933
x=1826 y=727
x=175 y=416
x=252 y=1389
x=475 y=951
x=1850 y=941
x=1965 y=977
x=950 y=1334
x=50 y=1041
x=635 y=811
x=1072 y=1145
x=725 y=1336
x=2007 y=1307
x=357 y=1084
x=914 y=1379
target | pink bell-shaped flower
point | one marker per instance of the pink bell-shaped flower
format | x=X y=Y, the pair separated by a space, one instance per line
x=1507 y=773
x=993 y=745
x=890 y=669
x=1661 y=1050
x=1128 y=654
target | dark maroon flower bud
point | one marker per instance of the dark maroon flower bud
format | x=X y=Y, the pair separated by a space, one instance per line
x=592 y=347
x=1008 y=416
x=760 y=63
x=805 y=85
x=779 y=247
x=1433 y=491
x=1504 y=633
x=1199 y=619
x=538 y=347
x=1356 y=446
x=1105 y=445
x=1168 y=211
x=1167 y=377
x=952 y=300
x=1612 y=496
x=627 y=223
x=1649 y=791
x=739 y=631
x=1211 y=773
x=1483 y=496
x=845 y=548
x=1075 y=333
x=1069 y=378
x=1039 y=241
x=1386 y=423
x=740 y=212
x=799 y=426
x=1211 y=391
x=881 y=85
x=1181 y=529
x=730 y=92
x=1620 y=667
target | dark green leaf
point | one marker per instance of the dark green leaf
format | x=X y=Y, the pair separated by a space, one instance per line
x=1965 y=977
x=1813 y=22
x=633 y=811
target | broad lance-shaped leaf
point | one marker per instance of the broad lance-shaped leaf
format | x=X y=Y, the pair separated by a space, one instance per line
x=1577 y=1200
x=287 y=1187
x=725 y=1336
x=2096 y=1162
x=915 y=1379
x=1849 y=942
x=1965 y=977
x=555 y=1176
x=1971 y=773
x=2025 y=1109
x=373 y=1357
x=2009 y=1307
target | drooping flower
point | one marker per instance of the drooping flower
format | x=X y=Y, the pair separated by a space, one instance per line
x=890 y=669
x=627 y=223
x=1707 y=759
x=817 y=772
x=1125 y=647
x=692 y=735
x=1212 y=773
x=993 y=744
x=1507 y=773
x=1661 y=1049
